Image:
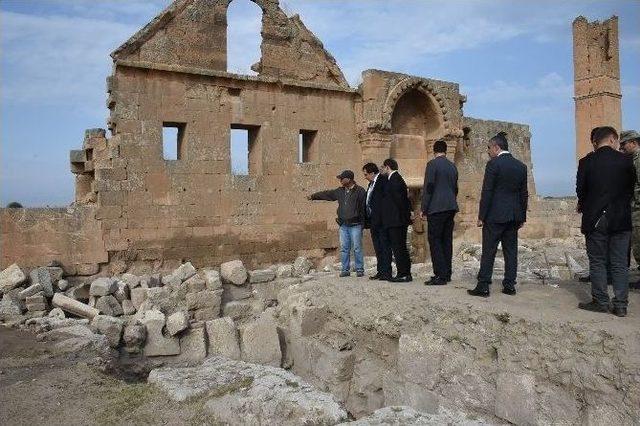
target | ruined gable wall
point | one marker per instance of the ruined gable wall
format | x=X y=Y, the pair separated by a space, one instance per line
x=194 y=208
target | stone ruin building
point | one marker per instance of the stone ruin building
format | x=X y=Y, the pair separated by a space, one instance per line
x=304 y=124
x=596 y=67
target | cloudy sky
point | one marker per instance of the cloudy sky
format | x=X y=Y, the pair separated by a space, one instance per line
x=513 y=60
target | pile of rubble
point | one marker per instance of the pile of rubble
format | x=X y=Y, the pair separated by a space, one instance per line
x=189 y=312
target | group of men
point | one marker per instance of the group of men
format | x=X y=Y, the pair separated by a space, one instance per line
x=608 y=189
x=385 y=209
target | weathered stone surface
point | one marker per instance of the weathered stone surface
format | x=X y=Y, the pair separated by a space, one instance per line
x=177 y=322
x=150 y=281
x=138 y=295
x=516 y=398
x=206 y=314
x=407 y=416
x=260 y=343
x=238 y=310
x=301 y=266
x=212 y=279
x=308 y=320
x=233 y=292
x=223 y=338
x=193 y=345
x=41 y=276
x=62 y=285
x=10 y=307
x=72 y=306
x=195 y=284
x=131 y=280
x=233 y=272
x=110 y=327
x=30 y=291
x=80 y=292
x=56 y=313
x=156 y=343
x=133 y=337
x=204 y=299
x=55 y=272
x=103 y=286
x=171 y=281
x=184 y=271
x=284 y=271
x=123 y=291
x=264 y=395
x=261 y=276
x=36 y=302
x=109 y=305
x=11 y=277
x=128 y=308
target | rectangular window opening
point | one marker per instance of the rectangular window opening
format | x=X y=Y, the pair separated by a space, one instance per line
x=307 y=151
x=172 y=138
x=246 y=158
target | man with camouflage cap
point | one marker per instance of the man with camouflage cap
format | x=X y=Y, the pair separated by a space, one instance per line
x=630 y=144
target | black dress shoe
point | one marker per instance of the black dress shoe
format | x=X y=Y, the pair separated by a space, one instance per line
x=433 y=277
x=436 y=281
x=509 y=291
x=375 y=277
x=592 y=306
x=402 y=279
x=478 y=292
x=619 y=311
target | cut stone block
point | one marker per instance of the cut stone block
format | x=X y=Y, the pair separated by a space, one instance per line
x=301 y=266
x=223 y=338
x=30 y=291
x=260 y=343
x=184 y=271
x=138 y=295
x=193 y=345
x=233 y=272
x=103 y=287
x=11 y=277
x=128 y=308
x=195 y=284
x=123 y=291
x=204 y=299
x=177 y=322
x=109 y=305
x=41 y=276
x=133 y=337
x=131 y=280
x=212 y=279
x=110 y=327
x=261 y=276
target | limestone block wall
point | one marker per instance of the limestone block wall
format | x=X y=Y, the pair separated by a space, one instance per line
x=194 y=207
x=35 y=237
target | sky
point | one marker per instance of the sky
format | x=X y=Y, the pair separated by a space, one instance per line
x=512 y=59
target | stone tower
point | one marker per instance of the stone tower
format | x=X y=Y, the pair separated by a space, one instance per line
x=596 y=69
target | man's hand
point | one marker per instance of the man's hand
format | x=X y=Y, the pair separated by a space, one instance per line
x=479 y=223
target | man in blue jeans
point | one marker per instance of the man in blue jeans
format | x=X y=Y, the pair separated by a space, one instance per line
x=351 y=200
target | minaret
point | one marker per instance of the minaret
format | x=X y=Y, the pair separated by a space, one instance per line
x=596 y=69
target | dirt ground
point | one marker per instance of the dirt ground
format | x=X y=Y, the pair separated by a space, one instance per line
x=39 y=385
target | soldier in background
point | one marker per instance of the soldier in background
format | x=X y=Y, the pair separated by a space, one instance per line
x=630 y=144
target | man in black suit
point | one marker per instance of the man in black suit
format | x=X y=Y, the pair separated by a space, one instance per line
x=604 y=185
x=374 y=208
x=439 y=207
x=396 y=218
x=503 y=211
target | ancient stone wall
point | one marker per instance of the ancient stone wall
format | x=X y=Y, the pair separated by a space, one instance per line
x=596 y=78
x=35 y=237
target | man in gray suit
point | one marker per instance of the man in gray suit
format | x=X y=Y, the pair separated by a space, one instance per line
x=439 y=207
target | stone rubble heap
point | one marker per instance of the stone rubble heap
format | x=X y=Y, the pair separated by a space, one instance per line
x=188 y=313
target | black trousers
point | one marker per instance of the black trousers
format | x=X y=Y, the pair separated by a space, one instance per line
x=382 y=247
x=608 y=262
x=398 y=238
x=492 y=234
x=440 y=236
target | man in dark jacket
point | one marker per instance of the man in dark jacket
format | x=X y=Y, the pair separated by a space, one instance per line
x=439 y=207
x=396 y=218
x=375 y=207
x=503 y=210
x=604 y=185
x=351 y=200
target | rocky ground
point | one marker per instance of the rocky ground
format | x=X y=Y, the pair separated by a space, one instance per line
x=294 y=343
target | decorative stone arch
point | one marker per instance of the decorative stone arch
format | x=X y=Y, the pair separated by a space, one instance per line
x=404 y=87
